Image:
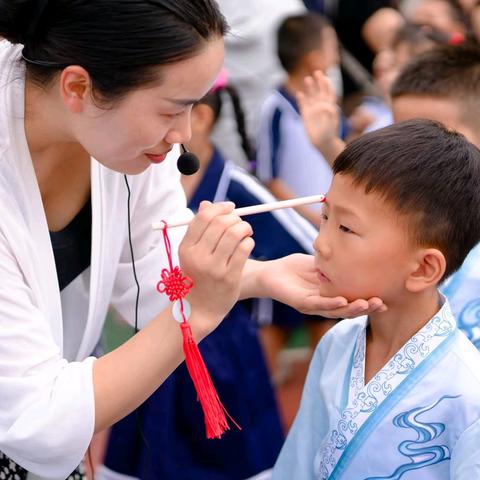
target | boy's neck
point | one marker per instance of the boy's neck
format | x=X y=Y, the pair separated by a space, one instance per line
x=390 y=330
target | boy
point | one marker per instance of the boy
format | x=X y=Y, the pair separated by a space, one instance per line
x=397 y=394
x=287 y=162
x=444 y=85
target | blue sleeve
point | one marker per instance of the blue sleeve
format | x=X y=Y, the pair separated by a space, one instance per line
x=296 y=459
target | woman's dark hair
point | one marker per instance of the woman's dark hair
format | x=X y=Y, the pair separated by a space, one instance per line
x=119 y=42
x=215 y=102
x=430 y=175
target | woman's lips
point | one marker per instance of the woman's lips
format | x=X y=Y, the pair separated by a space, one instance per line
x=156 y=158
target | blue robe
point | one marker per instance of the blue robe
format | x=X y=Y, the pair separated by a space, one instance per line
x=171 y=420
x=417 y=418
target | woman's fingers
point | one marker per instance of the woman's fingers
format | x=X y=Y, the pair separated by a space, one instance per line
x=230 y=241
x=240 y=256
x=218 y=227
x=329 y=307
x=206 y=213
x=214 y=237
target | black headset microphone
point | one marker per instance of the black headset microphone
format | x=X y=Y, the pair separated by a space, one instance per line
x=187 y=162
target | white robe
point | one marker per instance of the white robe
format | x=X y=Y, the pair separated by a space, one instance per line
x=46 y=386
x=418 y=417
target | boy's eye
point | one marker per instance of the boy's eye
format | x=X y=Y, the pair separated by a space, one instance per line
x=345 y=229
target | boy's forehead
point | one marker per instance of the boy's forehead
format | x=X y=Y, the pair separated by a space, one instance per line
x=449 y=111
x=348 y=196
x=440 y=109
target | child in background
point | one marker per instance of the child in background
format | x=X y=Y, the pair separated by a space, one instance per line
x=397 y=391
x=286 y=160
x=408 y=42
x=318 y=107
x=171 y=424
x=445 y=16
x=444 y=85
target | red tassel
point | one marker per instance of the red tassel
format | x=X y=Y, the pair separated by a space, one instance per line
x=177 y=286
x=215 y=419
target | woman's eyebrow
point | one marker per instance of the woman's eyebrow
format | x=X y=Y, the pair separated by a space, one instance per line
x=184 y=102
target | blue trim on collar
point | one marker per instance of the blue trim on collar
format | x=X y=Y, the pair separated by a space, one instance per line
x=290 y=99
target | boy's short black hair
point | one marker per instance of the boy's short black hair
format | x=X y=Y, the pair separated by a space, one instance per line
x=431 y=177
x=445 y=72
x=298 y=35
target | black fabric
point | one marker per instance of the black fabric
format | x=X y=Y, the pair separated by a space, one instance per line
x=348 y=22
x=72 y=246
x=9 y=470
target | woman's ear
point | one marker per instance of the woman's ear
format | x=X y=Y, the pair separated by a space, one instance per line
x=75 y=88
x=430 y=268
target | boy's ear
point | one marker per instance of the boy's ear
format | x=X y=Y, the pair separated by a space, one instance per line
x=75 y=88
x=430 y=267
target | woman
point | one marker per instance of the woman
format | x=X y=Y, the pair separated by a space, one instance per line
x=92 y=91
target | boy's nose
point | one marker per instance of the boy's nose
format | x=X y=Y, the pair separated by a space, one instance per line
x=321 y=245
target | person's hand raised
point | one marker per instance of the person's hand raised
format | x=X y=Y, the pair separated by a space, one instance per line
x=320 y=114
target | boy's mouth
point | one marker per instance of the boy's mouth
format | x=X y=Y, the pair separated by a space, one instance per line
x=321 y=276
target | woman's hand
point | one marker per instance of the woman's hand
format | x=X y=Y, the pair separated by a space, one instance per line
x=213 y=253
x=293 y=280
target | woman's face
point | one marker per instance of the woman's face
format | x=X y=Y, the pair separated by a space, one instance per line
x=142 y=128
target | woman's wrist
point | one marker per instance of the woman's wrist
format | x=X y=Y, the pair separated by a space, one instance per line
x=253 y=284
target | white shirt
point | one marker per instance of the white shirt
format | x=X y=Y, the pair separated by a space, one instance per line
x=284 y=150
x=46 y=387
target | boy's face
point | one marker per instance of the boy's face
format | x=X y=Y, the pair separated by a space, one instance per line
x=443 y=110
x=326 y=56
x=363 y=249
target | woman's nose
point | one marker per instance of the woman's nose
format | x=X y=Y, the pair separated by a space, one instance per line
x=181 y=130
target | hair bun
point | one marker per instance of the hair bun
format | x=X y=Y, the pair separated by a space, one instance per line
x=19 y=19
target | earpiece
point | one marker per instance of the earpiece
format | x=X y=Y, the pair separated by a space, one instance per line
x=187 y=163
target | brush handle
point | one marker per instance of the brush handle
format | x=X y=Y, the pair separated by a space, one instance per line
x=263 y=207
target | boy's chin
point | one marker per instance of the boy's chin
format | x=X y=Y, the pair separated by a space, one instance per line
x=328 y=290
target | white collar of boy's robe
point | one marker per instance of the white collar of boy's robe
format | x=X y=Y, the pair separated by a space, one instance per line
x=360 y=400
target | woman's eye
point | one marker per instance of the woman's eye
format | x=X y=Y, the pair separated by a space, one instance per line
x=172 y=115
x=345 y=229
